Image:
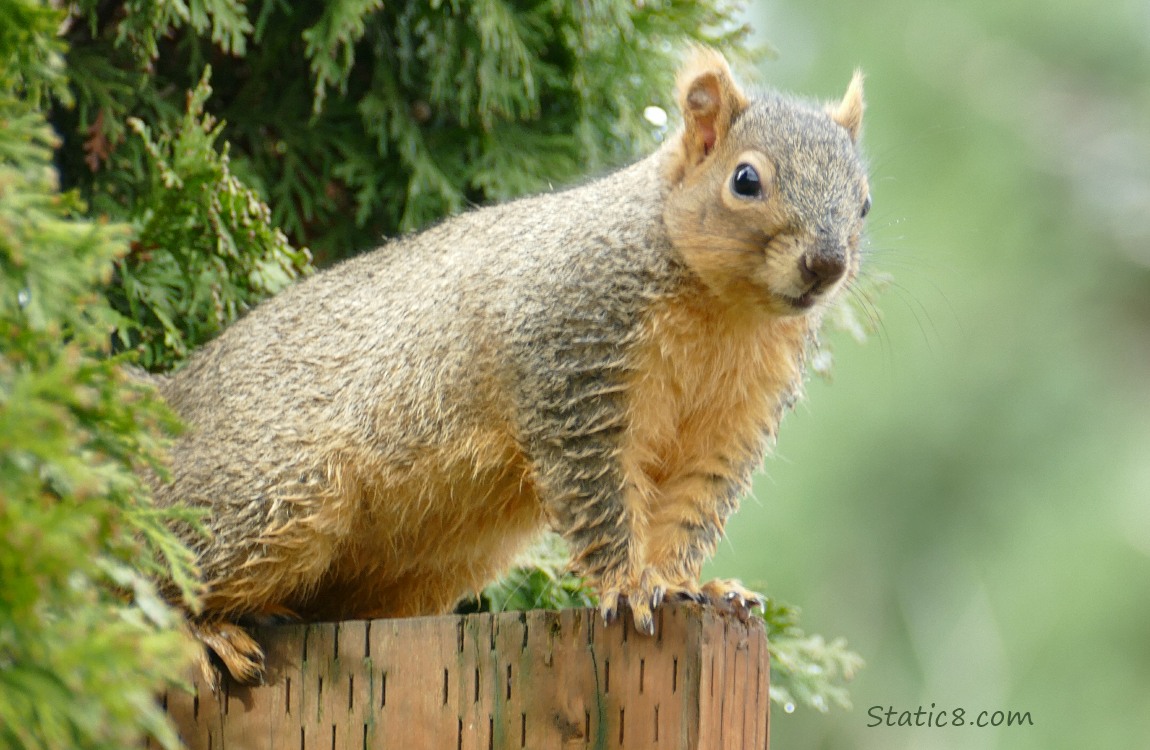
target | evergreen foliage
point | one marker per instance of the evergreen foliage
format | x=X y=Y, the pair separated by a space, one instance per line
x=806 y=668
x=162 y=168
x=205 y=250
x=539 y=580
x=84 y=637
x=358 y=119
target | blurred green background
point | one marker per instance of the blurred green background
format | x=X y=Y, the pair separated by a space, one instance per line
x=968 y=502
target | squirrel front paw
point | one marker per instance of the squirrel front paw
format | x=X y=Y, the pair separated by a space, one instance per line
x=730 y=595
x=643 y=596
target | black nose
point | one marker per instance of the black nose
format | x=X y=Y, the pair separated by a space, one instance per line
x=821 y=269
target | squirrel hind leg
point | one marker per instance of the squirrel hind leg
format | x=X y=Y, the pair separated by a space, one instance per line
x=229 y=646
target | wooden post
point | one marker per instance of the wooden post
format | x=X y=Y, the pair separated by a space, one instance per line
x=533 y=680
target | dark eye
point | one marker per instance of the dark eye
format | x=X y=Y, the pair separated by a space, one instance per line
x=745 y=182
x=865 y=208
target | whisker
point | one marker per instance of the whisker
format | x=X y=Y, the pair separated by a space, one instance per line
x=919 y=312
x=864 y=300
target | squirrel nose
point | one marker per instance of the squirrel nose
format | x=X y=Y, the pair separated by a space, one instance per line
x=821 y=269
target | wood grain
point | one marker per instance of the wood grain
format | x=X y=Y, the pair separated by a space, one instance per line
x=511 y=681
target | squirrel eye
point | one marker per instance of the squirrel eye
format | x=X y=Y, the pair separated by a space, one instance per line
x=865 y=208
x=745 y=182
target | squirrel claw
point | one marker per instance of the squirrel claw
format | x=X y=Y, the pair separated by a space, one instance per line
x=657 y=597
x=609 y=608
x=209 y=672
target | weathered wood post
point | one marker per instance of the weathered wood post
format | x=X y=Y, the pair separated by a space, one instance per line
x=534 y=680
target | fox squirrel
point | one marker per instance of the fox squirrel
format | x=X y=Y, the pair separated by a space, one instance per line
x=611 y=361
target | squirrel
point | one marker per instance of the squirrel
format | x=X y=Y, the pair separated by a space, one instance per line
x=610 y=361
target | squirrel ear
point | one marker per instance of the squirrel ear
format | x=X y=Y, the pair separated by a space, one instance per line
x=849 y=112
x=709 y=100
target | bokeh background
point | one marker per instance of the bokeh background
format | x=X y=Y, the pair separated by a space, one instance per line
x=967 y=502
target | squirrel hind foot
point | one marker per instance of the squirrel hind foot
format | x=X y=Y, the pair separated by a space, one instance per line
x=227 y=646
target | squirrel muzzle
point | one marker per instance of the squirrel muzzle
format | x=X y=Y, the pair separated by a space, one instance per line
x=821 y=269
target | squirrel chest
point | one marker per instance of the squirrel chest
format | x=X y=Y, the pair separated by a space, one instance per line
x=710 y=384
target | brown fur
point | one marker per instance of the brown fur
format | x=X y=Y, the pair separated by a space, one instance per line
x=610 y=361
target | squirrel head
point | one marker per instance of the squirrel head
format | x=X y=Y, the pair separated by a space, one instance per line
x=768 y=194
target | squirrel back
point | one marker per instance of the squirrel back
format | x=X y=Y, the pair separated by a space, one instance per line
x=610 y=361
